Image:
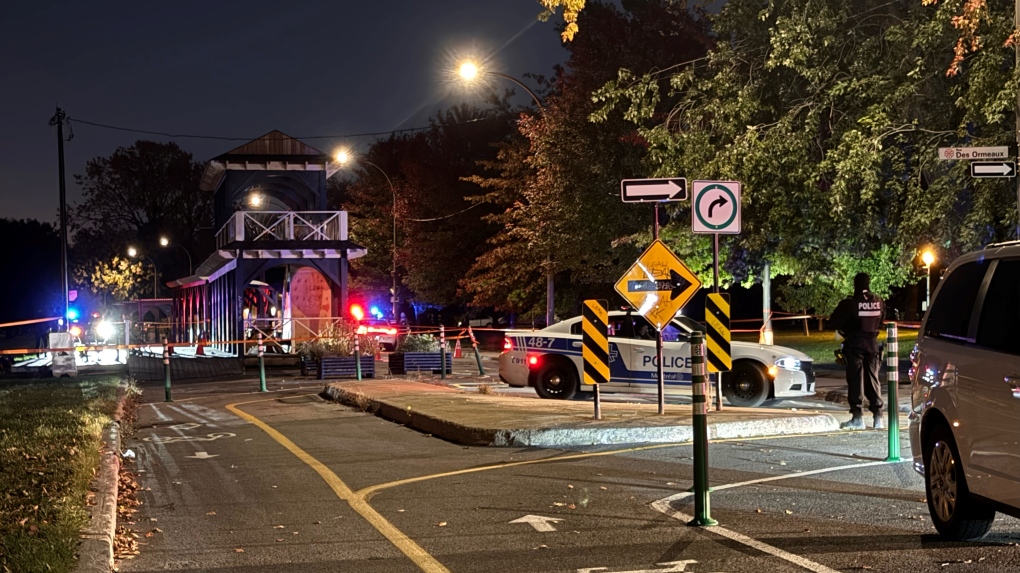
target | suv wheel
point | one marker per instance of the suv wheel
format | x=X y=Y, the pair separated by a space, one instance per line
x=556 y=381
x=746 y=385
x=956 y=516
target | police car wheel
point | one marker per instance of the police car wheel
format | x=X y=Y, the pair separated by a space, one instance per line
x=746 y=385
x=555 y=381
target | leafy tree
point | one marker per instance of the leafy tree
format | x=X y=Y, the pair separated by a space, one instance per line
x=135 y=196
x=571 y=11
x=829 y=113
x=439 y=233
x=32 y=254
x=557 y=190
x=120 y=278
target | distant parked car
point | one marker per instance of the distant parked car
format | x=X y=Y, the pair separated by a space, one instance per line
x=383 y=331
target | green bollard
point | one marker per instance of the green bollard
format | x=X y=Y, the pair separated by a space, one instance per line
x=262 y=365
x=166 y=368
x=442 y=352
x=357 y=355
x=478 y=355
x=892 y=371
x=699 y=399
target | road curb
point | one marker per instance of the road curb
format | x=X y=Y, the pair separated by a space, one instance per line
x=95 y=552
x=566 y=436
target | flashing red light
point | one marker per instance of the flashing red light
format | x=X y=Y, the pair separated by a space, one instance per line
x=357 y=312
x=508 y=345
x=75 y=331
x=532 y=360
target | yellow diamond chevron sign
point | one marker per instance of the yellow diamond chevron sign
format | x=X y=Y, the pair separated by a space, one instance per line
x=658 y=284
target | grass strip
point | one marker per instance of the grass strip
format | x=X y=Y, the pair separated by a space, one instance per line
x=820 y=345
x=50 y=435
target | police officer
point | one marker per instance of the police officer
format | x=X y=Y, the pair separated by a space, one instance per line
x=858 y=318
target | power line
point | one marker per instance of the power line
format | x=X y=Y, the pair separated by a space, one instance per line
x=229 y=138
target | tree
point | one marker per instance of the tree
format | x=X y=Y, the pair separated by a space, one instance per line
x=571 y=11
x=829 y=113
x=439 y=233
x=557 y=189
x=135 y=196
x=120 y=278
x=31 y=258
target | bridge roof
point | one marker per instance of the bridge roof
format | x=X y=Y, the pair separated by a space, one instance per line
x=274 y=151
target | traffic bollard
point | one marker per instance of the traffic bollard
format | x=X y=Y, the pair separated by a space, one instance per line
x=478 y=356
x=357 y=356
x=262 y=365
x=892 y=371
x=166 y=368
x=442 y=352
x=699 y=399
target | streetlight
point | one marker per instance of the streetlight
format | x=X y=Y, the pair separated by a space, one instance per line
x=133 y=252
x=927 y=257
x=165 y=242
x=469 y=71
x=343 y=157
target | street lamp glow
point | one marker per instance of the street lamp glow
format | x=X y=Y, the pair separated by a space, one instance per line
x=105 y=330
x=468 y=71
x=927 y=257
x=342 y=157
x=163 y=241
x=132 y=252
x=255 y=200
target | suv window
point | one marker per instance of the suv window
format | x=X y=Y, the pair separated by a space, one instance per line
x=950 y=313
x=999 y=328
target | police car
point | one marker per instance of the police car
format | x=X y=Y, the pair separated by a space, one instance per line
x=550 y=361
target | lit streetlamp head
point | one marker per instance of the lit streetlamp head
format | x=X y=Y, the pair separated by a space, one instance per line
x=255 y=200
x=163 y=241
x=132 y=252
x=927 y=257
x=468 y=71
x=342 y=157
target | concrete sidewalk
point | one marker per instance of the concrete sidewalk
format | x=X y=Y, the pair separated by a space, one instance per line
x=495 y=420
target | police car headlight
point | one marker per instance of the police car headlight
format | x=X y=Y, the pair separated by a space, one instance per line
x=788 y=363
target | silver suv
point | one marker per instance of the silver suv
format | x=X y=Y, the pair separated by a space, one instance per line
x=965 y=416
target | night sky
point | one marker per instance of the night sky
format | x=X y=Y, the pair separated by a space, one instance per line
x=238 y=69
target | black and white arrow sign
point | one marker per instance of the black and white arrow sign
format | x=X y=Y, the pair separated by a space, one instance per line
x=653 y=190
x=993 y=169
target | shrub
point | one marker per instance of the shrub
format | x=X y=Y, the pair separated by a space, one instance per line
x=418 y=343
x=337 y=339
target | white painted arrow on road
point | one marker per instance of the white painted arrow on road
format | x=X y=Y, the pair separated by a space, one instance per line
x=202 y=456
x=673 y=567
x=538 y=522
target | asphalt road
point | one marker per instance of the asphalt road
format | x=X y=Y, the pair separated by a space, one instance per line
x=239 y=481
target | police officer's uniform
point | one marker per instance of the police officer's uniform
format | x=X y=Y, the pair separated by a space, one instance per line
x=858 y=318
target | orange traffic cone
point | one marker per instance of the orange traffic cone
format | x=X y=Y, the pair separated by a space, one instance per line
x=456 y=350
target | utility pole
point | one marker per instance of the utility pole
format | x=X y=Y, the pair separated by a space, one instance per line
x=58 y=120
x=1016 y=46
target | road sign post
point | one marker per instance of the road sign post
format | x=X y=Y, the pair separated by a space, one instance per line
x=702 y=513
x=595 y=346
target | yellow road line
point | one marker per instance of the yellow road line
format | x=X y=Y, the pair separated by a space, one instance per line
x=412 y=550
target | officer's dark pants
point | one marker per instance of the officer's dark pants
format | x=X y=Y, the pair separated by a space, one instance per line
x=862 y=375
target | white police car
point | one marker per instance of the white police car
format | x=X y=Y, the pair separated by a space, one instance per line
x=550 y=360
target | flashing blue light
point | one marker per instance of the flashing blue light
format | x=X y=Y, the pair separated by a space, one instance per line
x=375 y=310
x=73 y=314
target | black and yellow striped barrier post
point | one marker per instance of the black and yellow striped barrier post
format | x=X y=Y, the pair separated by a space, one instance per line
x=702 y=515
x=595 y=346
x=892 y=371
x=717 y=335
